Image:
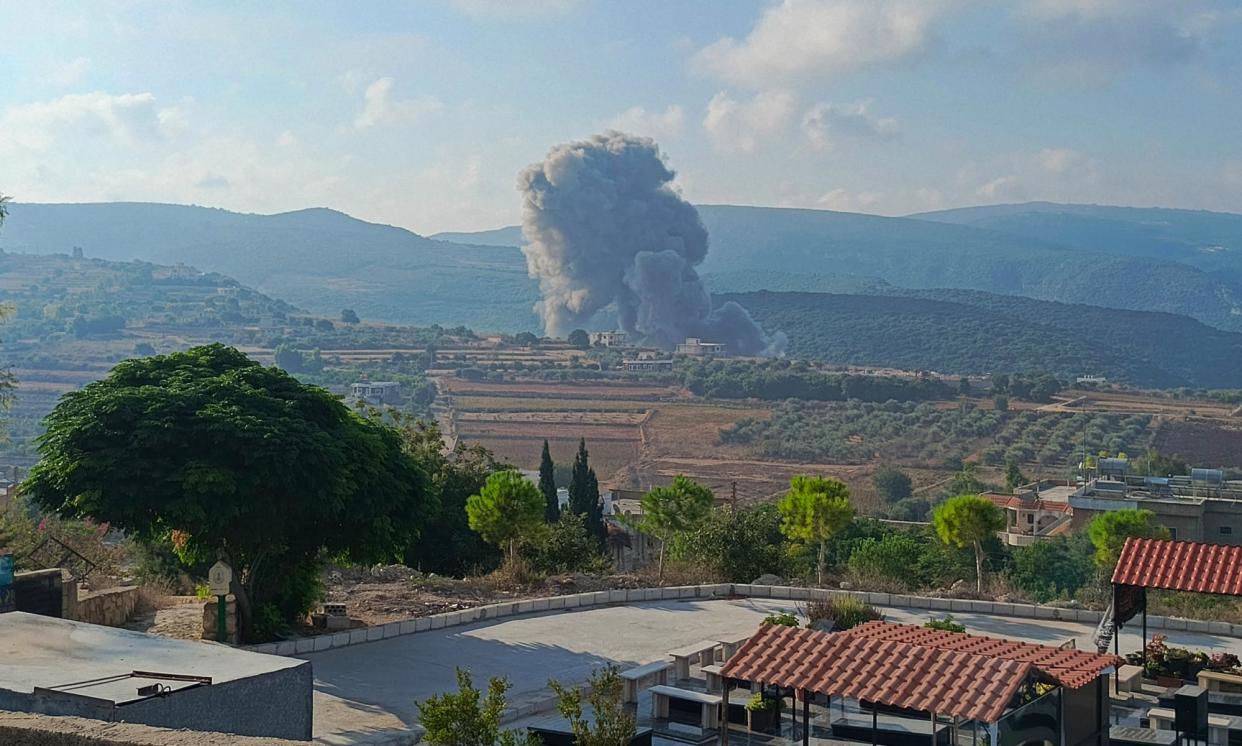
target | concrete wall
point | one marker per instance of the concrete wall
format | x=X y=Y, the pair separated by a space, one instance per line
x=111 y=607
x=793 y=594
x=275 y=705
x=27 y=729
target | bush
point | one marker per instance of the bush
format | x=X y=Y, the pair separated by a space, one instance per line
x=784 y=619
x=736 y=545
x=948 y=624
x=564 y=546
x=892 y=484
x=1053 y=568
x=892 y=559
x=845 y=612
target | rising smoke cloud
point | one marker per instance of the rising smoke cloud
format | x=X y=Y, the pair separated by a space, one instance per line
x=604 y=228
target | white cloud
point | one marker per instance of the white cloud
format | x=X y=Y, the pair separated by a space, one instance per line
x=799 y=38
x=826 y=124
x=124 y=119
x=844 y=200
x=660 y=125
x=738 y=126
x=1056 y=174
x=379 y=107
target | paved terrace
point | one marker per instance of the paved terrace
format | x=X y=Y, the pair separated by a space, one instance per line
x=366 y=694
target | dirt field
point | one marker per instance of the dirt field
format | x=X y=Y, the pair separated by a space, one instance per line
x=1201 y=443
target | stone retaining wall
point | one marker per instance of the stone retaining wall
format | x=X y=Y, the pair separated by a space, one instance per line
x=793 y=594
x=32 y=729
x=111 y=607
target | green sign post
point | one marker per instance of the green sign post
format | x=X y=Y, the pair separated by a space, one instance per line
x=219 y=578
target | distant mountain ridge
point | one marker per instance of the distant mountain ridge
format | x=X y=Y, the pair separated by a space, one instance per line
x=324 y=260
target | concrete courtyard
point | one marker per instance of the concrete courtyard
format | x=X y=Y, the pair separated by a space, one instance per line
x=367 y=694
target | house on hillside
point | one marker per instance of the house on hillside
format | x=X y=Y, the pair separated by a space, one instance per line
x=378 y=393
x=695 y=347
x=647 y=361
x=608 y=339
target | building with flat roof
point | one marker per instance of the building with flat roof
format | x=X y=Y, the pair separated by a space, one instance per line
x=647 y=361
x=377 y=393
x=1201 y=507
x=695 y=347
x=608 y=339
x=62 y=667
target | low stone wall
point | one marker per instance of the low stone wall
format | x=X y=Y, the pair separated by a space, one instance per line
x=28 y=729
x=111 y=607
x=793 y=594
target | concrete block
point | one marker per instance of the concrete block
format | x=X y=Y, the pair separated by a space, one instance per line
x=618 y=596
x=599 y=598
x=959 y=605
x=524 y=607
x=821 y=594
x=800 y=594
x=437 y=621
x=902 y=601
x=669 y=594
x=341 y=639
x=375 y=633
x=509 y=608
x=1087 y=616
x=1002 y=609
x=1220 y=628
x=286 y=647
x=782 y=592
x=1157 y=622
x=452 y=619
x=422 y=624
x=1046 y=612
x=556 y=602
x=266 y=648
x=1235 y=630
x=761 y=591
x=304 y=645
x=982 y=607
x=392 y=629
x=324 y=642
x=409 y=627
x=1195 y=625
x=880 y=599
x=540 y=604
x=938 y=604
x=742 y=589
x=687 y=591
x=358 y=635
x=1176 y=623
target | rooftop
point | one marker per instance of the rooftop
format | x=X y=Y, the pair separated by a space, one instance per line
x=50 y=653
x=1180 y=566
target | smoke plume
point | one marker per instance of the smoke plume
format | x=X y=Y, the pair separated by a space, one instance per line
x=603 y=227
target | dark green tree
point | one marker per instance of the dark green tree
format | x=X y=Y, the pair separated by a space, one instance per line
x=525 y=339
x=349 y=316
x=579 y=338
x=673 y=510
x=547 y=485
x=234 y=460
x=893 y=485
x=584 y=491
x=290 y=359
x=1014 y=478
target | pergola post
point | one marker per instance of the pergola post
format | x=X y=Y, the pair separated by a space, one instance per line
x=724 y=714
x=875 y=717
x=933 y=726
x=806 y=718
x=1143 y=649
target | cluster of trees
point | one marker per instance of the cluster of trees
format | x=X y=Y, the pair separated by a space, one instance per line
x=1053 y=438
x=1039 y=387
x=782 y=379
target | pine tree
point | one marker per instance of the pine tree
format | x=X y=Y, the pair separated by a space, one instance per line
x=547 y=485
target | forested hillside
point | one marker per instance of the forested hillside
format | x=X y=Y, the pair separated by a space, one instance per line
x=324 y=260
x=964 y=332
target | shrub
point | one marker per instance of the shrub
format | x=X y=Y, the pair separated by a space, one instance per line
x=844 y=612
x=760 y=702
x=948 y=624
x=564 y=546
x=893 y=558
x=784 y=619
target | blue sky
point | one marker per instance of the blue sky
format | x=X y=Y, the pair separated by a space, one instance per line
x=421 y=113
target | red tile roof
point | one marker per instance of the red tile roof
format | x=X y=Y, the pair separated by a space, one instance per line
x=899 y=674
x=1014 y=501
x=1180 y=566
x=1069 y=668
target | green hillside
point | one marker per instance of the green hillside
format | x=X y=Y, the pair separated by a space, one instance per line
x=964 y=332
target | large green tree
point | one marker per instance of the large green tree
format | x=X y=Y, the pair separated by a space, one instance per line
x=547 y=485
x=968 y=521
x=508 y=508
x=814 y=510
x=233 y=460
x=893 y=485
x=739 y=545
x=672 y=510
x=1108 y=533
x=584 y=492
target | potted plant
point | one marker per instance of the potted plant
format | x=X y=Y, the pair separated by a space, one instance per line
x=762 y=712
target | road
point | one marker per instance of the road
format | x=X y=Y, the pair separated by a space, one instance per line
x=367 y=693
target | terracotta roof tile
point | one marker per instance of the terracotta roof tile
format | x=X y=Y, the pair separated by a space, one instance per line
x=891 y=672
x=1180 y=566
x=1069 y=668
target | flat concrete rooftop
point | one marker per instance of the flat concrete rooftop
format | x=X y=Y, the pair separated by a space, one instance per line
x=40 y=651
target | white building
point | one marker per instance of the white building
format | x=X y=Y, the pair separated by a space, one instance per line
x=696 y=347
x=608 y=339
x=377 y=393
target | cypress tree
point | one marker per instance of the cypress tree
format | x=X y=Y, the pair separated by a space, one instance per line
x=579 y=498
x=547 y=485
x=595 y=518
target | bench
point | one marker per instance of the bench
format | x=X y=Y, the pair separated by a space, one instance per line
x=1219 y=726
x=704 y=652
x=637 y=678
x=729 y=645
x=890 y=733
x=708 y=704
x=715 y=682
x=1217 y=681
x=1129 y=678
